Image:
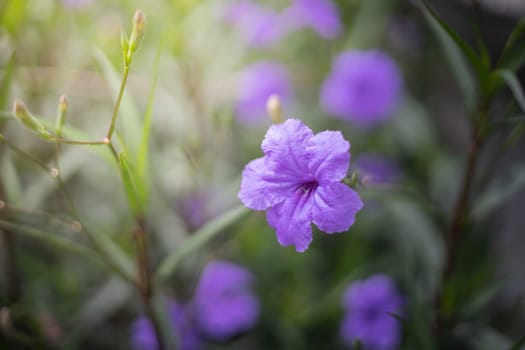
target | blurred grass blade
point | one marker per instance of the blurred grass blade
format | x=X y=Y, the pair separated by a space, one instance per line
x=53 y=239
x=113 y=253
x=456 y=51
x=499 y=192
x=513 y=55
x=142 y=159
x=199 y=239
x=10 y=180
x=514 y=85
x=98 y=309
x=129 y=114
x=134 y=190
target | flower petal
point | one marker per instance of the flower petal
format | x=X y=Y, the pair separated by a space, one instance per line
x=292 y=221
x=328 y=156
x=285 y=148
x=262 y=188
x=335 y=207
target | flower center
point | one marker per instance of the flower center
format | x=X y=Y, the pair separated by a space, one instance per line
x=308 y=187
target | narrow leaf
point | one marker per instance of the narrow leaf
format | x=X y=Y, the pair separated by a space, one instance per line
x=199 y=239
x=456 y=51
x=500 y=191
x=513 y=55
x=130 y=185
x=53 y=239
x=514 y=85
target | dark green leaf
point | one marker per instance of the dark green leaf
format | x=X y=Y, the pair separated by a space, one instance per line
x=457 y=51
x=514 y=85
x=513 y=55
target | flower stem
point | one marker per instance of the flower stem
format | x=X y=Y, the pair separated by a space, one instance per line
x=117 y=104
x=456 y=230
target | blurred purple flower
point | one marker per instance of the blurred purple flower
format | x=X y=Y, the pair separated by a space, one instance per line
x=223 y=304
x=188 y=337
x=257 y=83
x=376 y=169
x=195 y=209
x=321 y=15
x=369 y=304
x=259 y=26
x=298 y=181
x=142 y=335
x=364 y=87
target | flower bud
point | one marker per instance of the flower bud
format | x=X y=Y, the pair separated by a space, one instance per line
x=61 y=118
x=274 y=110
x=136 y=35
x=22 y=113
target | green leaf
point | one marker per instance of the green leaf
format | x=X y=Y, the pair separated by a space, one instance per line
x=142 y=159
x=134 y=190
x=513 y=55
x=199 y=239
x=457 y=51
x=514 y=85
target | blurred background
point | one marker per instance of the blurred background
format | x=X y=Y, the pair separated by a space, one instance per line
x=218 y=61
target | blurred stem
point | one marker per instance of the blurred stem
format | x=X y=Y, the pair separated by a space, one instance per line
x=117 y=104
x=144 y=281
x=456 y=229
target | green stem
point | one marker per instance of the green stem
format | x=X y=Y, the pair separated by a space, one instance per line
x=117 y=104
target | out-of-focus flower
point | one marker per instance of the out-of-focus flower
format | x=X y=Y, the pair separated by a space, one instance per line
x=143 y=335
x=321 y=15
x=187 y=335
x=256 y=84
x=364 y=87
x=376 y=169
x=222 y=307
x=298 y=181
x=195 y=209
x=223 y=304
x=258 y=25
x=369 y=305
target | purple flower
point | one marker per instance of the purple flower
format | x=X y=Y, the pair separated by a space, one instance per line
x=222 y=307
x=257 y=83
x=259 y=26
x=368 y=305
x=376 y=169
x=223 y=304
x=364 y=87
x=321 y=15
x=298 y=181
x=142 y=335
